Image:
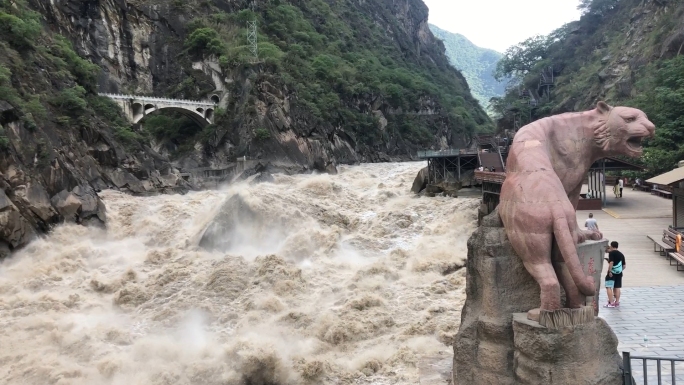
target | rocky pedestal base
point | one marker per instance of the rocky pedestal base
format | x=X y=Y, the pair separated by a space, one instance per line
x=497 y=286
x=492 y=348
x=578 y=355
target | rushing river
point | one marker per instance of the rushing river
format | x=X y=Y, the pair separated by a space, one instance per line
x=344 y=279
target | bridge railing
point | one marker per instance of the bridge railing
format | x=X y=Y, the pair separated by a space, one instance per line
x=154 y=99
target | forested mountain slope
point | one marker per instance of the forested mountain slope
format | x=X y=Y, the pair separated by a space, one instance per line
x=627 y=52
x=334 y=82
x=477 y=64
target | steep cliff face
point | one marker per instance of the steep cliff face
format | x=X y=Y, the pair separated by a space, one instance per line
x=335 y=82
x=477 y=64
x=606 y=54
x=602 y=56
x=626 y=52
x=140 y=46
x=59 y=143
x=136 y=44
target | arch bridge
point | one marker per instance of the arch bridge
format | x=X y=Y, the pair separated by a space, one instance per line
x=137 y=107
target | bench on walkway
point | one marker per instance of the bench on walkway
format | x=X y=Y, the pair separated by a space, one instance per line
x=642 y=187
x=670 y=238
x=662 y=193
x=660 y=246
x=678 y=258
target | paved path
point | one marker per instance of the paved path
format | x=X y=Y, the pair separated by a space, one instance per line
x=628 y=221
x=650 y=320
x=652 y=303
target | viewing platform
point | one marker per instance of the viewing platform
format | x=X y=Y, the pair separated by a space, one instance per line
x=451 y=152
x=451 y=165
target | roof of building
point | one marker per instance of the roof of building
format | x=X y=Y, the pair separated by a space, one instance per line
x=615 y=164
x=669 y=177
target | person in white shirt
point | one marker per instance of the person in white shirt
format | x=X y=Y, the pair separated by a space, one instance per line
x=591 y=223
x=622 y=185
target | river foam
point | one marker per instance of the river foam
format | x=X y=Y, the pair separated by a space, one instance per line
x=345 y=279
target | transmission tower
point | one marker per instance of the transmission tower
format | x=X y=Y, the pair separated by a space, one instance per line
x=252 y=36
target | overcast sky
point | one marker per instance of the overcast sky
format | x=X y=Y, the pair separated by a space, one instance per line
x=498 y=24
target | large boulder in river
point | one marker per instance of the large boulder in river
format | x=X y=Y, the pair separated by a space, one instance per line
x=80 y=205
x=238 y=224
x=14 y=229
x=421 y=181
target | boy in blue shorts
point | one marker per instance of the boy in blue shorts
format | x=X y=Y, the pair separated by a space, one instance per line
x=616 y=264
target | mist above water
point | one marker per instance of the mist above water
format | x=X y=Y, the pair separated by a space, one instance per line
x=311 y=279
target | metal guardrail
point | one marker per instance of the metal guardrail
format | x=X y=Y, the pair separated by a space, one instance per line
x=659 y=376
x=445 y=153
x=153 y=99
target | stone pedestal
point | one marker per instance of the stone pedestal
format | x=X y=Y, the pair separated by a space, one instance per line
x=579 y=355
x=591 y=255
x=497 y=286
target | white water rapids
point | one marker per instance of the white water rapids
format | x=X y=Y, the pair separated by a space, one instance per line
x=348 y=280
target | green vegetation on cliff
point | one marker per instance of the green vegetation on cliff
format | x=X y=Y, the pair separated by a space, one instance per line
x=46 y=82
x=661 y=96
x=626 y=52
x=369 y=73
x=477 y=64
x=340 y=66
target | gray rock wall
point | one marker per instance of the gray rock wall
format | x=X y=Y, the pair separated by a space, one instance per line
x=584 y=354
x=497 y=286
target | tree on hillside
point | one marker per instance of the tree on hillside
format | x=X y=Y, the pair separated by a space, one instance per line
x=662 y=100
x=519 y=59
x=596 y=7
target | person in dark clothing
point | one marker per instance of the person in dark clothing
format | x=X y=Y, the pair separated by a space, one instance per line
x=616 y=265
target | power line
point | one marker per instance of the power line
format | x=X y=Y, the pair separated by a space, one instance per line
x=252 y=35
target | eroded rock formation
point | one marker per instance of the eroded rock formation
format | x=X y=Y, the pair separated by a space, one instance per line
x=497 y=286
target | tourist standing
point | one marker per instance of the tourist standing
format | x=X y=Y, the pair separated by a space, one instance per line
x=616 y=189
x=621 y=181
x=616 y=265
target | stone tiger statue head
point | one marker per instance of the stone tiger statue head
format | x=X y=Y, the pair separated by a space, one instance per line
x=621 y=130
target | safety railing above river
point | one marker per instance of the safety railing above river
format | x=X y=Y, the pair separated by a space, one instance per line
x=652 y=371
x=445 y=153
x=155 y=99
